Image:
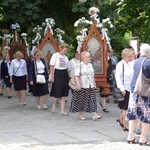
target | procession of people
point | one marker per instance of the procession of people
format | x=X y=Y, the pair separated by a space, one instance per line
x=134 y=108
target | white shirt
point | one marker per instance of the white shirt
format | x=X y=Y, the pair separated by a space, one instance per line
x=40 y=67
x=124 y=81
x=72 y=64
x=86 y=73
x=59 y=61
x=19 y=68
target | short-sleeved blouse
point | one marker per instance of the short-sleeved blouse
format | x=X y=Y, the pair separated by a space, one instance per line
x=86 y=73
x=59 y=62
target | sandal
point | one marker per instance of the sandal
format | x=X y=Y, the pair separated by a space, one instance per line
x=105 y=110
x=121 y=124
x=125 y=129
x=144 y=144
x=132 y=141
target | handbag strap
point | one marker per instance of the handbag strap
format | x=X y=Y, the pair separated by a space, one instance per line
x=17 y=68
x=123 y=72
x=142 y=64
x=35 y=67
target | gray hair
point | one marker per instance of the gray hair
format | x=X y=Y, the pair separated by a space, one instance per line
x=145 y=50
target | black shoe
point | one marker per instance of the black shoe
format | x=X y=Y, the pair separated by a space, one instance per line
x=144 y=144
x=105 y=110
x=9 y=97
x=132 y=141
x=125 y=129
x=1 y=94
x=121 y=124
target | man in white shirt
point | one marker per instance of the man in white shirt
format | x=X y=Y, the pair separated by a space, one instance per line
x=73 y=63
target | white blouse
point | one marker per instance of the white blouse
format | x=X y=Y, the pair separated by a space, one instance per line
x=40 y=67
x=18 y=68
x=72 y=64
x=123 y=78
x=86 y=73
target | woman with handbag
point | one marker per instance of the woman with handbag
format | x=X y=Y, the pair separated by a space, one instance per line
x=139 y=106
x=124 y=74
x=5 y=69
x=39 y=89
x=85 y=99
x=18 y=76
x=60 y=77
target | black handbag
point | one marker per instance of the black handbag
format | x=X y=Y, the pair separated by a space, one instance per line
x=117 y=94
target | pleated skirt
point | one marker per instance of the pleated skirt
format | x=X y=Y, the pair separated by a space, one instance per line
x=84 y=101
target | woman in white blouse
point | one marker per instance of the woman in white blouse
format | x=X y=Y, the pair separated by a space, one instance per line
x=18 y=70
x=85 y=99
x=124 y=74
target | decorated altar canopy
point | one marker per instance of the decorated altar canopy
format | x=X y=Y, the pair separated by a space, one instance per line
x=14 y=42
x=94 y=38
x=49 y=43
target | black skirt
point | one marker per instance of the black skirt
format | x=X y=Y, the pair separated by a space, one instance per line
x=7 y=81
x=60 y=87
x=40 y=89
x=20 y=83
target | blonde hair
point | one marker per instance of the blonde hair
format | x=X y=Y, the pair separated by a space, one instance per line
x=62 y=46
x=18 y=54
x=125 y=52
x=84 y=54
x=37 y=51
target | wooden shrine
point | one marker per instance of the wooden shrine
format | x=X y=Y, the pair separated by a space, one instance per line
x=48 y=45
x=17 y=46
x=99 y=58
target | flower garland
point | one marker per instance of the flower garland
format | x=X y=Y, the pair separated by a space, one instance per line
x=59 y=33
x=49 y=23
x=104 y=25
x=15 y=27
x=37 y=30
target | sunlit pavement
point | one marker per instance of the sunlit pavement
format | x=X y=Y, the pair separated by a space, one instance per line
x=25 y=128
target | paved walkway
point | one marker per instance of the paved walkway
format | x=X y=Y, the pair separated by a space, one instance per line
x=26 y=128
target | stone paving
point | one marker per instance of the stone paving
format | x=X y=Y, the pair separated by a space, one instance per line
x=26 y=128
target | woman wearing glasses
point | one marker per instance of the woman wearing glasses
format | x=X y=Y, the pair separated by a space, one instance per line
x=38 y=66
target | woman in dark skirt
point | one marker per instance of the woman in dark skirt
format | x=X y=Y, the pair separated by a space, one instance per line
x=38 y=66
x=18 y=76
x=124 y=74
x=85 y=100
x=60 y=77
x=5 y=68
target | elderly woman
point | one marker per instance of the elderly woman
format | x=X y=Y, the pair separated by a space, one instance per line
x=85 y=99
x=60 y=77
x=18 y=76
x=124 y=74
x=5 y=69
x=139 y=106
x=38 y=66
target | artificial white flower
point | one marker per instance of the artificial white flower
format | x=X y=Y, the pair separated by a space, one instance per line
x=24 y=34
x=111 y=26
x=93 y=10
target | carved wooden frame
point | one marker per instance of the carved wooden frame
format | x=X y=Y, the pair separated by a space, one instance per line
x=48 y=38
x=100 y=78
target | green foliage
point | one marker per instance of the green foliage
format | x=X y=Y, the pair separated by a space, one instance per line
x=126 y=16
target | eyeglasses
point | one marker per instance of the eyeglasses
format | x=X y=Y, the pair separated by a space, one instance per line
x=38 y=55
